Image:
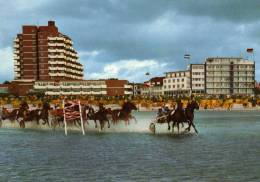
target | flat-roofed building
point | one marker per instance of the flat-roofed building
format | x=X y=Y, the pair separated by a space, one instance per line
x=84 y=87
x=197 y=80
x=229 y=76
x=43 y=53
x=176 y=83
x=153 y=87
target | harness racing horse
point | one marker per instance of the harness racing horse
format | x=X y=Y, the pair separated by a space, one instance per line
x=189 y=113
x=38 y=114
x=15 y=114
x=101 y=115
x=180 y=116
x=161 y=119
x=124 y=113
x=44 y=114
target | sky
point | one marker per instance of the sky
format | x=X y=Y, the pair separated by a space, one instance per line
x=127 y=38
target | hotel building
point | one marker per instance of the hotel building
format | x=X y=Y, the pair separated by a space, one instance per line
x=197 y=80
x=176 y=83
x=43 y=53
x=229 y=76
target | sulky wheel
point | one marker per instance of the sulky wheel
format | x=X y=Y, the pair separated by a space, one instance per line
x=152 y=128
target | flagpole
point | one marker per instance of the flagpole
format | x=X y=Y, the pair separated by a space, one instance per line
x=81 y=120
x=64 y=119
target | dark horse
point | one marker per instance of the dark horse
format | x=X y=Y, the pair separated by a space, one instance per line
x=15 y=114
x=189 y=113
x=124 y=113
x=38 y=114
x=88 y=113
x=181 y=116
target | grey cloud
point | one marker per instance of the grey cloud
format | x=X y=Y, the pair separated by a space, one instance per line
x=143 y=29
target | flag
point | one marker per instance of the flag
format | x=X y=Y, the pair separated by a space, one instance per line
x=72 y=112
x=186 y=56
x=250 y=50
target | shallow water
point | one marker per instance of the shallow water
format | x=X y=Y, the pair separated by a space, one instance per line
x=227 y=148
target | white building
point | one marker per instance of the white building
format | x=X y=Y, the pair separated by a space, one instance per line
x=229 y=76
x=153 y=87
x=197 y=72
x=176 y=83
x=73 y=87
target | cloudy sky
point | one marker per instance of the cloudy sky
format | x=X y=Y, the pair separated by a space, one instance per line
x=127 y=38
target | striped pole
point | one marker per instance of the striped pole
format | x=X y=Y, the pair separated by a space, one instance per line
x=64 y=118
x=81 y=120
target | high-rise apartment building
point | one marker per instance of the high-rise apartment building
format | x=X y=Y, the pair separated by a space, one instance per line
x=229 y=76
x=43 y=53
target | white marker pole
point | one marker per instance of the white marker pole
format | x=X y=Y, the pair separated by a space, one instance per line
x=81 y=120
x=64 y=118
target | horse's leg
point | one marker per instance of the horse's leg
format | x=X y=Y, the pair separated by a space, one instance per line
x=95 y=123
x=189 y=122
x=169 y=127
x=22 y=124
x=101 y=122
x=194 y=127
x=108 y=123
x=134 y=119
x=173 y=125
x=178 y=127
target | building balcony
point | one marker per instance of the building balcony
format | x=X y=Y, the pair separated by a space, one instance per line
x=16 y=52
x=57 y=62
x=52 y=93
x=85 y=92
x=128 y=93
x=57 y=74
x=57 y=56
x=128 y=86
x=57 y=68
x=16 y=45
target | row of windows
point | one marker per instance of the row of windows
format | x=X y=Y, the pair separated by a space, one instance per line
x=173 y=80
x=197 y=85
x=228 y=67
x=197 y=79
x=180 y=74
x=173 y=86
x=197 y=73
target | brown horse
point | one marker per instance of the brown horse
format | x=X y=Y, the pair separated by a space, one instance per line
x=101 y=115
x=181 y=116
x=15 y=114
x=124 y=114
x=189 y=113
